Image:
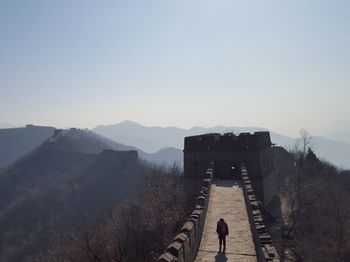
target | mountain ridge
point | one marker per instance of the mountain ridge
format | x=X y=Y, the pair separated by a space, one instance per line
x=60 y=181
x=16 y=142
x=11 y=152
x=153 y=138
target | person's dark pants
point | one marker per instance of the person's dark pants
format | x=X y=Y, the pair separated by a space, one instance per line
x=222 y=239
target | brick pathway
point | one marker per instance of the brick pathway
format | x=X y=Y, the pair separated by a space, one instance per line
x=226 y=201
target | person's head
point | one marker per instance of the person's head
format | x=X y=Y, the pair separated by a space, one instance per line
x=221 y=220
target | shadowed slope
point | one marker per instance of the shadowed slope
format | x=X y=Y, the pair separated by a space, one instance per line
x=56 y=186
x=16 y=142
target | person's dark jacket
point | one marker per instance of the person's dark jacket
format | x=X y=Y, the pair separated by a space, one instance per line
x=222 y=229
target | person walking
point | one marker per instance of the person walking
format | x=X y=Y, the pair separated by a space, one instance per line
x=222 y=231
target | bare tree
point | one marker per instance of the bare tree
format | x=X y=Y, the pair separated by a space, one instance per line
x=339 y=217
x=296 y=183
x=137 y=230
x=306 y=139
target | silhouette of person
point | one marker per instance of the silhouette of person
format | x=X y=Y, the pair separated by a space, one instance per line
x=222 y=231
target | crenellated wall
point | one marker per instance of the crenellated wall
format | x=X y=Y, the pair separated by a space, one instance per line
x=184 y=246
x=227 y=151
x=263 y=243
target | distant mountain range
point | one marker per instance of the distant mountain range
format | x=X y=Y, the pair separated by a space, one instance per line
x=339 y=136
x=52 y=177
x=161 y=145
x=17 y=142
x=151 y=139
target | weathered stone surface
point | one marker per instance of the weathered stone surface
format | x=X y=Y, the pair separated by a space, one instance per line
x=199 y=207
x=206 y=183
x=166 y=257
x=197 y=212
x=270 y=250
x=181 y=237
x=256 y=213
x=261 y=229
x=174 y=248
x=254 y=205
x=250 y=191
x=187 y=227
x=208 y=174
x=265 y=239
x=193 y=220
x=194 y=216
x=227 y=201
x=201 y=200
x=252 y=198
x=204 y=189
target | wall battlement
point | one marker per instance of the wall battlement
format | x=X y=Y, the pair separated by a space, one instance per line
x=228 y=141
x=227 y=151
x=184 y=246
x=264 y=247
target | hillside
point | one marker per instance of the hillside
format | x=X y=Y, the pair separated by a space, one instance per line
x=61 y=183
x=311 y=208
x=16 y=142
x=164 y=157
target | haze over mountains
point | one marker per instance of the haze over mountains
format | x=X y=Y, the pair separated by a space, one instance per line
x=153 y=138
x=338 y=131
x=67 y=178
x=162 y=145
x=50 y=180
x=17 y=142
x=339 y=136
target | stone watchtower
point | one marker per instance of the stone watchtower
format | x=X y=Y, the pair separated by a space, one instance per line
x=227 y=152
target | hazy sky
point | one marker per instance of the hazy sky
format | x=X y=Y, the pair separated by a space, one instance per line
x=282 y=65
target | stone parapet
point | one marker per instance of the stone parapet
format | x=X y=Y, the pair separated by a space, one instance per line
x=184 y=246
x=263 y=243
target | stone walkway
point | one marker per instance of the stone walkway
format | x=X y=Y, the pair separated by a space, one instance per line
x=227 y=201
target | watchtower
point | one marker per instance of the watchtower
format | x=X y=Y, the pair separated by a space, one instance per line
x=228 y=151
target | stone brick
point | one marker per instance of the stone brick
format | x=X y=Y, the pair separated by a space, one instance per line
x=180 y=237
x=166 y=257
